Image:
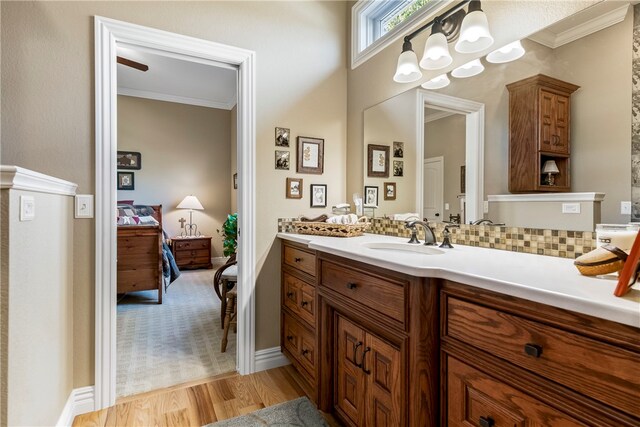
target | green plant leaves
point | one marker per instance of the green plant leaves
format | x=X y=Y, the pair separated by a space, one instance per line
x=229 y=235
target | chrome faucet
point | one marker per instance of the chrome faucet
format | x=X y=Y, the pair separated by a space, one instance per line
x=430 y=236
x=482 y=221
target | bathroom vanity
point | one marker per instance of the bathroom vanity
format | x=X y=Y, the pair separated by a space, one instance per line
x=466 y=337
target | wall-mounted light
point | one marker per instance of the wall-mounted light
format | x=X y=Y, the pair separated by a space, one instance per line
x=471 y=27
x=470 y=69
x=437 y=82
x=507 y=53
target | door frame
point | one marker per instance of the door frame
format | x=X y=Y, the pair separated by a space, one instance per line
x=424 y=163
x=474 y=151
x=108 y=33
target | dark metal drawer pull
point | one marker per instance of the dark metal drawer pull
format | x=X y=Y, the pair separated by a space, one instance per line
x=305 y=352
x=533 y=349
x=486 y=422
x=297 y=259
x=364 y=353
x=351 y=285
x=304 y=303
x=355 y=354
x=289 y=337
x=289 y=294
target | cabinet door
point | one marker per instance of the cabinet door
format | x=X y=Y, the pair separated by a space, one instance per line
x=546 y=119
x=350 y=379
x=476 y=399
x=560 y=136
x=382 y=364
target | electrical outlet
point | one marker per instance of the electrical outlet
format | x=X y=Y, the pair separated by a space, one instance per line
x=485 y=206
x=27 y=208
x=625 y=208
x=84 y=206
x=571 y=208
x=446 y=206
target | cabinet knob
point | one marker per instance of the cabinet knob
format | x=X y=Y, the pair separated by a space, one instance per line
x=304 y=303
x=289 y=294
x=351 y=285
x=289 y=337
x=533 y=349
x=297 y=259
x=305 y=352
x=486 y=422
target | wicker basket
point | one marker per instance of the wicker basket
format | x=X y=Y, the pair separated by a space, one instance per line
x=333 y=230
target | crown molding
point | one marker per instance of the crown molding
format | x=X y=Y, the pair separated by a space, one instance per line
x=17 y=178
x=554 y=40
x=552 y=197
x=126 y=91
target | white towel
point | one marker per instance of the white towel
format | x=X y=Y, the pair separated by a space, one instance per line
x=405 y=216
x=343 y=219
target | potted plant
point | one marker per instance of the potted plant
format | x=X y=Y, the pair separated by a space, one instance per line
x=229 y=235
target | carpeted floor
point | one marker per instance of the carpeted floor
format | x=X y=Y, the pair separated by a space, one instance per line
x=172 y=343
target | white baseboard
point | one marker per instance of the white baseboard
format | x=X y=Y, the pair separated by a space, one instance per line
x=270 y=358
x=81 y=400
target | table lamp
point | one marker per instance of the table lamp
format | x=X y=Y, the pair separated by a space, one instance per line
x=550 y=168
x=191 y=203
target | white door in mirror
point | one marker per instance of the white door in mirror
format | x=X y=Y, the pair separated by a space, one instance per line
x=27 y=208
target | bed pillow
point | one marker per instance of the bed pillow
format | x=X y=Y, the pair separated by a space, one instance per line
x=147 y=220
x=128 y=220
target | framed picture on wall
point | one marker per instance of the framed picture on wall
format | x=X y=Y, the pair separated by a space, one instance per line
x=463 y=179
x=129 y=160
x=378 y=161
x=318 y=195
x=310 y=155
x=235 y=181
x=389 y=190
x=282 y=137
x=294 y=188
x=371 y=195
x=282 y=160
x=398 y=149
x=398 y=168
x=125 y=181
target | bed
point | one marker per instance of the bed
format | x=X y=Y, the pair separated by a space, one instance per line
x=143 y=262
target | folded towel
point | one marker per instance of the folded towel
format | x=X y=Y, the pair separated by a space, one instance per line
x=405 y=216
x=342 y=205
x=343 y=219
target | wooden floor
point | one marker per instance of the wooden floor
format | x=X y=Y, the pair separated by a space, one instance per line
x=200 y=403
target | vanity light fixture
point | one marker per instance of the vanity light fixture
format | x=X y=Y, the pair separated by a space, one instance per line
x=437 y=82
x=470 y=69
x=507 y=53
x=470 y=28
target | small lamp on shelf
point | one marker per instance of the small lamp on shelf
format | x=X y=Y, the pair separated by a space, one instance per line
x=550 y=168
x=191 y=203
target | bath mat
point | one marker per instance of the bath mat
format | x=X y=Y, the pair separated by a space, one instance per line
x=299 y=412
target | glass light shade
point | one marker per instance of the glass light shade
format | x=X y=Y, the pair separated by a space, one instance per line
x=190 y=202
x=469 y=69
x=407 y=70
x=550 y=166
x=474 y=33
x=436 y=53
x=507 y=53
x=437 y=82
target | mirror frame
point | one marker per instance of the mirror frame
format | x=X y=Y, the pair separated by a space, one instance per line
x=474 y=148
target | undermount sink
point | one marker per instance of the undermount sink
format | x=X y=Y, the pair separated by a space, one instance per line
x=406 y=247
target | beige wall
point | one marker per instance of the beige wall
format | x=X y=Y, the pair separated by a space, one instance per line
x=37 y=309
x=447 y=137
x=185 y=150
x=48 y=112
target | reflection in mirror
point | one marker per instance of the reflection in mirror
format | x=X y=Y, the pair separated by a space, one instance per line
x=596 y=58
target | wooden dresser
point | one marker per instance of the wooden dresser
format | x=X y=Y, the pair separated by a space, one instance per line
x=299 y=312
x=192 y=252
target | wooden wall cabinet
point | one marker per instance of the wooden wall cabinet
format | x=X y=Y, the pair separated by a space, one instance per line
x=539 y=130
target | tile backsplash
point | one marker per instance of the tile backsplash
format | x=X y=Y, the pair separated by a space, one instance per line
x=558 y=243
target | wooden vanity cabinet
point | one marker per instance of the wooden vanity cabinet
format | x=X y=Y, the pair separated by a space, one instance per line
x=539 y=130
x=510 y=362
x=299 y=338
x=378 y=345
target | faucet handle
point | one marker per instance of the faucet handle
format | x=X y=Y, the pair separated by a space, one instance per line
x=446 y=236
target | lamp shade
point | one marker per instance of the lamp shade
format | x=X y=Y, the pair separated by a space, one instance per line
x=474 y=33
x=469 y=69
x=190 y=202
x=507 y=53
x=437 y=82
x=550 y=166
x=436 y=53
x=407 y=70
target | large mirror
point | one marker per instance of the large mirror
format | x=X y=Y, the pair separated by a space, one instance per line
x=453 y=164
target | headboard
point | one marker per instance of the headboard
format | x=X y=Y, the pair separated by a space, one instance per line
x=157 y=209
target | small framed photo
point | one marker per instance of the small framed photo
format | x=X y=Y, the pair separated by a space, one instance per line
x=125 y=181
x=463 y=179
x=389 y=190
x=378 y=161
x=398 y=149
x=398 y=168
x=310 y=155
x=282 y=159
x=294 y=188
x=282 y=137
x=129 y=160
x=235 y=181
x=371 y=195
x=318 y=195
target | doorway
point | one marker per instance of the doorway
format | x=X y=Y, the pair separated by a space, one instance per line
x=433 y=189
x=108 y=35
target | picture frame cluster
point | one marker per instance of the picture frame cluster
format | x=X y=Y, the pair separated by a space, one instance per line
x=127 y=160
x=378 y=160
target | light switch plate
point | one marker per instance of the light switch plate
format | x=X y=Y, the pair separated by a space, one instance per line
x=485 y=206
x=571 y=208
x=625 y=208
x=84 y=206
x=27 y=208
x=446 y=206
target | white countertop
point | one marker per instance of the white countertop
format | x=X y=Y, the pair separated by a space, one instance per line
x=544 y=279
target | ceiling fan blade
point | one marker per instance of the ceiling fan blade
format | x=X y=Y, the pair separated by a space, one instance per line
x=132 y=64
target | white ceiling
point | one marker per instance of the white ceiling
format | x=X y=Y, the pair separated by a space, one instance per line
x=175 y=80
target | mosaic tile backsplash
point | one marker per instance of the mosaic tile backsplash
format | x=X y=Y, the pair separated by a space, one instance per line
x=558 y=243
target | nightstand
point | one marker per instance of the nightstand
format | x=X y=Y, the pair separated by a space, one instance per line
x=192 y=252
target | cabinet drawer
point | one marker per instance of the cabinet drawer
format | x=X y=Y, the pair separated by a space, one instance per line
x=383 y=295
x=191 y=244
x=183 y=255
x=299 y=297
x=300 y=342
x=300 y=260
x=596 y=369
x=476 y=399
x=187 y=261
